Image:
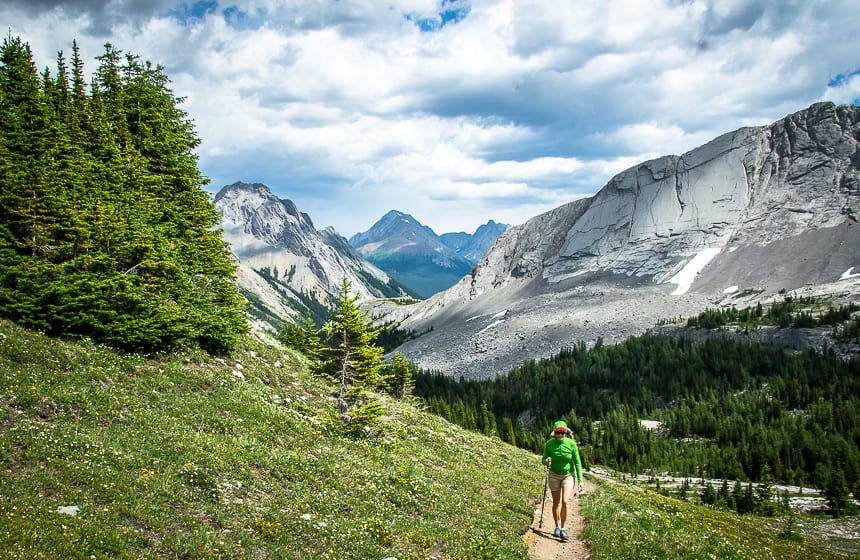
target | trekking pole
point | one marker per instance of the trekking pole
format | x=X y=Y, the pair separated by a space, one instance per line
x=543 y=500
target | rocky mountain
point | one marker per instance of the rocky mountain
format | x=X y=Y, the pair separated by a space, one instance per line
x=751 y=215
x=416 y=257
x=473 y=246
x=286 y=266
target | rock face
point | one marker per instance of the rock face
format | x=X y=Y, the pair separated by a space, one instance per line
x=757 y=210
x=749 y=187
x=288 y=266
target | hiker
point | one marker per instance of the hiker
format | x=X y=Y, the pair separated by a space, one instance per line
x=561 y=457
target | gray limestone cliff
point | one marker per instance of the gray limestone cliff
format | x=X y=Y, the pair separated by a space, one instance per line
x=758 y=210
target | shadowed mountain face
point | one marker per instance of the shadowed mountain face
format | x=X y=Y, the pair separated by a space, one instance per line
x=751 y=213
x=416 y=257
x=472 y=247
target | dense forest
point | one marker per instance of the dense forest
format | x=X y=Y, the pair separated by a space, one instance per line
x=718 y=409
x=105 y=231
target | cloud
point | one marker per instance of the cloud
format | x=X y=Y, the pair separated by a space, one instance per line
x=461 y=111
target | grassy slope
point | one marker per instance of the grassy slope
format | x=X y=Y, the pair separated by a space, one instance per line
x=182 y=457
x=628 y=522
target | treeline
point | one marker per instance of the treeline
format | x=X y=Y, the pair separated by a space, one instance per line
x=791 y=312
x=720 y=409
x=105 y=231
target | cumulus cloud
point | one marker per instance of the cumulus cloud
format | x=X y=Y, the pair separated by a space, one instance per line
x=460 y=111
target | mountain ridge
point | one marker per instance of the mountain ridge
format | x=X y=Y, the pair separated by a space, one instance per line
x=287 y=266
x=755 y=211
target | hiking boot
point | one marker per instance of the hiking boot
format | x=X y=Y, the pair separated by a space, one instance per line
x=563 y=534
x=556 y=533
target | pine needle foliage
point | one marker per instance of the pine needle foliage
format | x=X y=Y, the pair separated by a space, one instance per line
x=400 y=380
x=353 y=359
x=105 y=231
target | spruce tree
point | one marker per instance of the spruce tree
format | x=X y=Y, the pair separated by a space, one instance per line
x=837 y=493
x=303 y=338
x=353 y=359
x=105 y=231
x=401 y=382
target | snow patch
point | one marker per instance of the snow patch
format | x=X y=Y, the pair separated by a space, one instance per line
x=849 y=274
x=490 y=326
x=500 y=314
x=652 y=425
x=731 y=290
x=685 y=278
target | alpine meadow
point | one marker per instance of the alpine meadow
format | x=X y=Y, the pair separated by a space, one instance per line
x=143 y=416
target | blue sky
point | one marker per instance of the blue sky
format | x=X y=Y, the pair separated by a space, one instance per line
x=460 y=111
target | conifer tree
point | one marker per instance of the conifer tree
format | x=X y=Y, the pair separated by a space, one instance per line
x=303 y=338
x=837 y=493
x=401 y=381
x=354 y=360
x=104 y=229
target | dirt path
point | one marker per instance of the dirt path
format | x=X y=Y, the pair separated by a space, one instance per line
x=543 y=546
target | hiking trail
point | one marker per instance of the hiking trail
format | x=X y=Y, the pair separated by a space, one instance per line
x=543 y=546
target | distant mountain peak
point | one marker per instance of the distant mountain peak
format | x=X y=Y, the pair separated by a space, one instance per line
x=413 y=254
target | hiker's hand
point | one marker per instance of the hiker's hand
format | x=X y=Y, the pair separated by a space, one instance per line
x=548 y=461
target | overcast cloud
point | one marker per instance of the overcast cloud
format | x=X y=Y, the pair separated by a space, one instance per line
x=460 y=111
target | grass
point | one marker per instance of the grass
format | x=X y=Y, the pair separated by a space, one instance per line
x=630 y=522
x=188 y=456
x=191 y=457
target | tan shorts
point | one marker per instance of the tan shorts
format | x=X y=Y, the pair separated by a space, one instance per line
x=557 y=481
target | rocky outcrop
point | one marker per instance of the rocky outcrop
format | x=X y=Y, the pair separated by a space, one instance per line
x=764 y=209
x=751 y=186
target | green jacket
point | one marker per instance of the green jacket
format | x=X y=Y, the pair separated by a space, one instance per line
x=564 y=455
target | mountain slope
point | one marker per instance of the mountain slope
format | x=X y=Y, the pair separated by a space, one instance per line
x=109 y=455
x=411 y=253
x=188 y=456
x=749 y=214
x=287 y=266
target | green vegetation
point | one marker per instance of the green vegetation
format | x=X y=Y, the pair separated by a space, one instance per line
x=351 y=357
x=303 y=303
x=424 y=276
x=791 y=312
x=304 y=339
x=392 y=288
x=107 y=241
x=627 y=522
x=725 y=409
x=390 y=337
x=186 y=456
x=105 y=231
